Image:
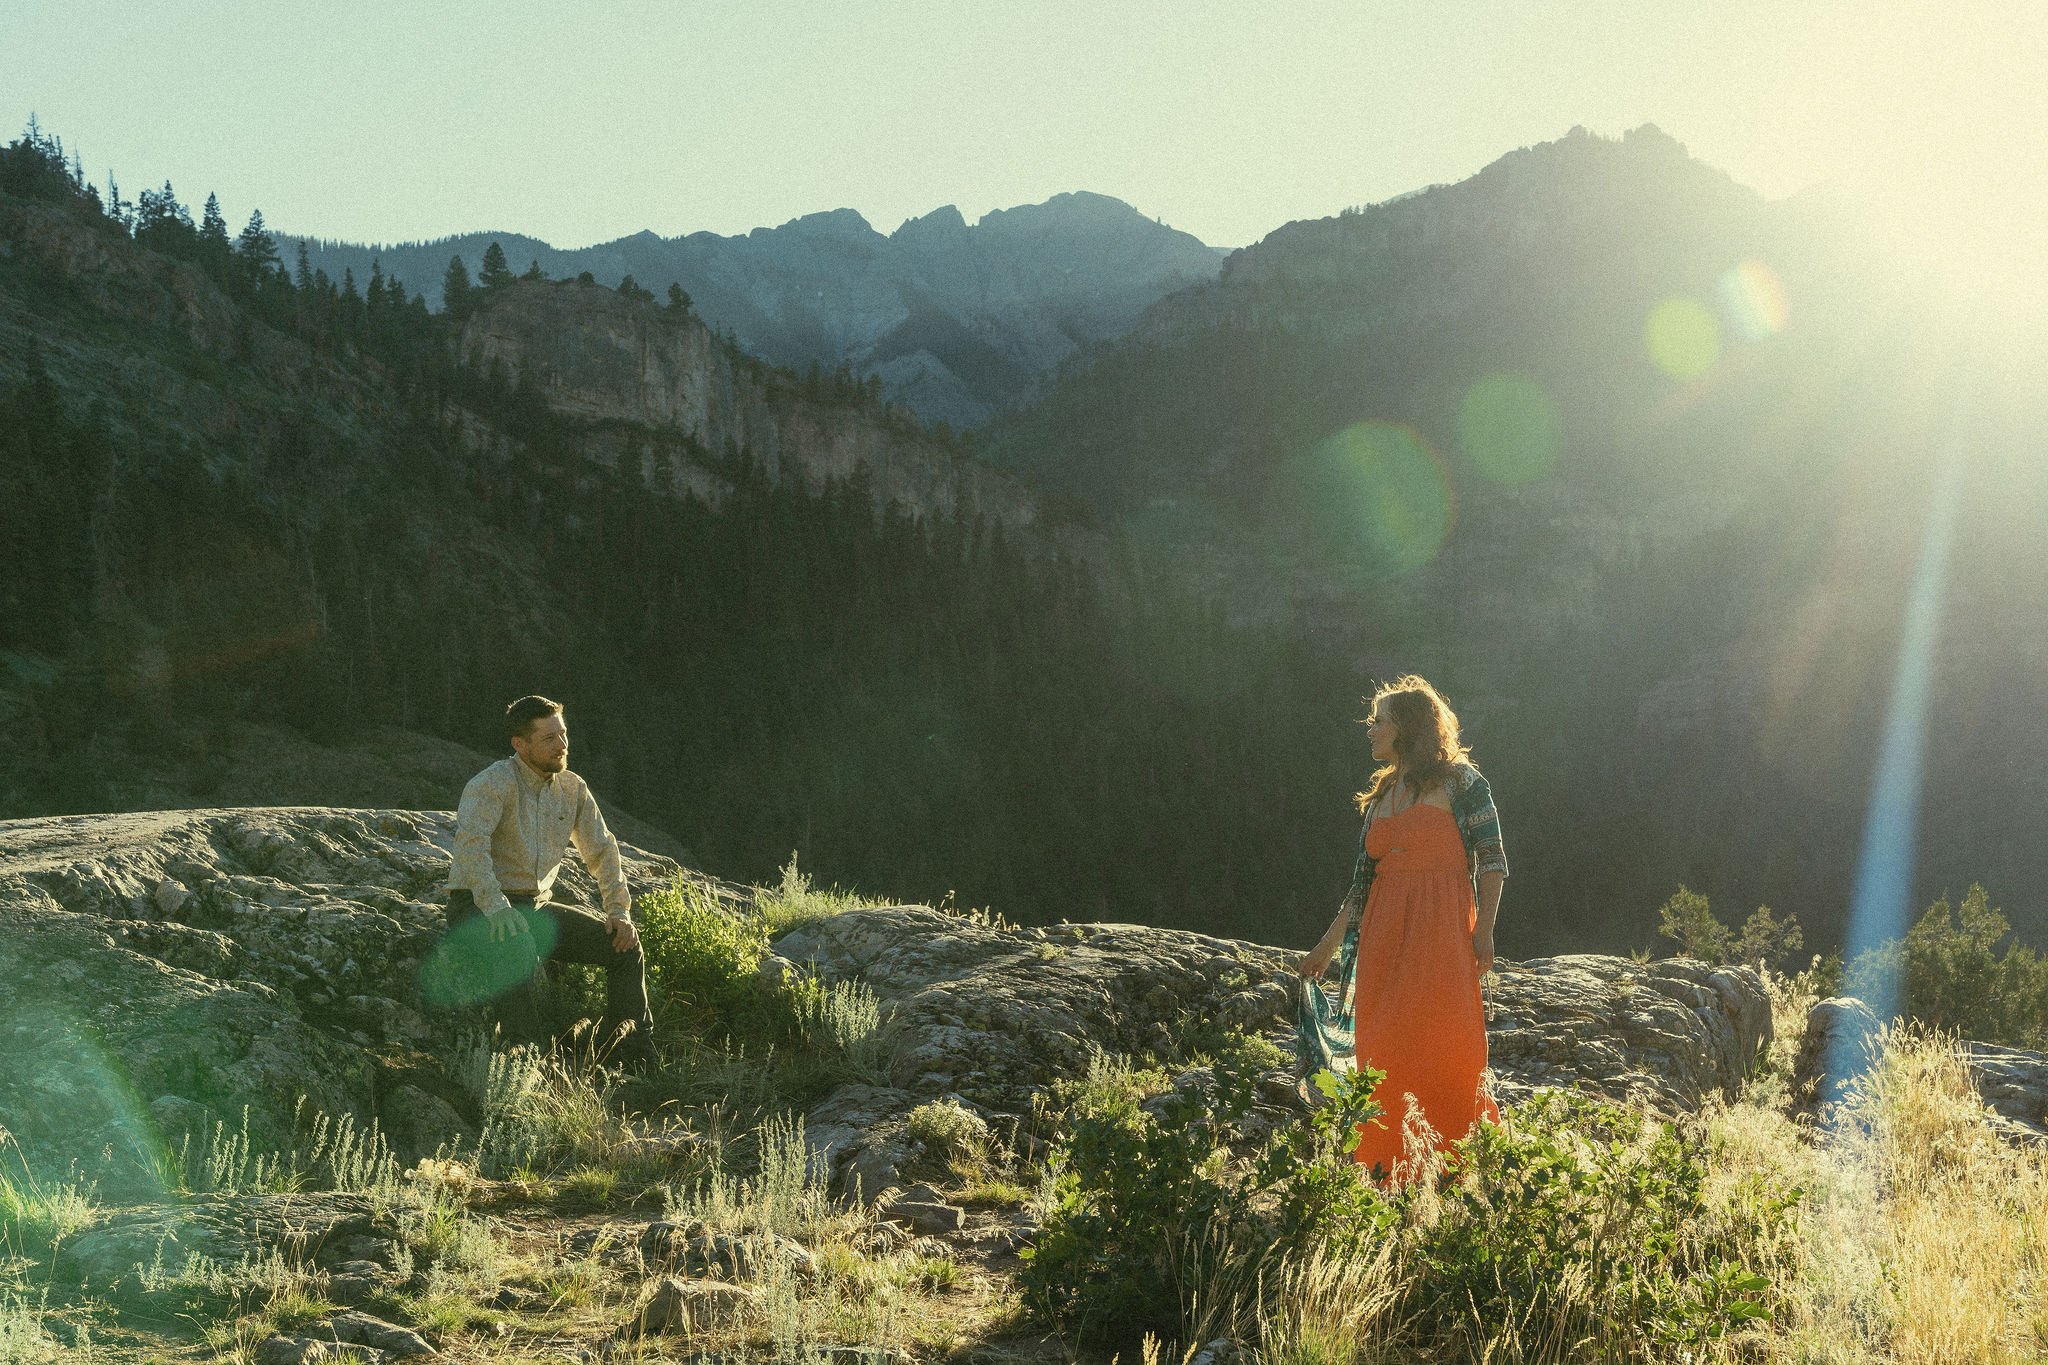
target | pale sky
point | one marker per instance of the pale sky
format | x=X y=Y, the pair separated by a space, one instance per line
x=389 y=120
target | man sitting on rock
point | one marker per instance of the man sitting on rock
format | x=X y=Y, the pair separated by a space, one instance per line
x=516 y=819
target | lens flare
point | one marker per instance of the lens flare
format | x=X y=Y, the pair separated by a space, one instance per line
x=1682 y=337
x=1880 y=907
x=1508 y=427
x=466 y=968
x=1373 y=497
x=1754 y=300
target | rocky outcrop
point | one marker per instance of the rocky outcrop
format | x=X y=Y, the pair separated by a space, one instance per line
x=604 y=358
x=994 y=1015
x=2012 y=1082
x=166 y=970
x=2014 y=1085
x=1664 y=1034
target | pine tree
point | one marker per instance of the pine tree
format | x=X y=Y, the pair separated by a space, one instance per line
x=349 y=293
x=533 y=272
x=455 y=288
x=213 y=228
x=678 y=297
x=495 y=273
x=303 y=276
x=258 y=249
x=374 y=295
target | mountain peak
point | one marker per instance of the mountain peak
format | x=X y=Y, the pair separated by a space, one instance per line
x=835 y=222
x=940 y=222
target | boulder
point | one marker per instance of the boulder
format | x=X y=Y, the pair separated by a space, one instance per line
x=997 y=1014
x=360 y=1329
x=691 y=1306
x=1664 y=1034
x=930 y=1218
x=1835 y=1046
x=225 y=1228
x=2014 y=1085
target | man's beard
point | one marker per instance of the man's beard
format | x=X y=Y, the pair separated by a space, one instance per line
x=559 y=763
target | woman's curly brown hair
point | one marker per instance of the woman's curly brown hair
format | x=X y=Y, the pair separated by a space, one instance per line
x=1426 y=742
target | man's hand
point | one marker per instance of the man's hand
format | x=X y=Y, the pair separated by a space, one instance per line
x=506 y=923
x=1482 y=948
x=625 y=938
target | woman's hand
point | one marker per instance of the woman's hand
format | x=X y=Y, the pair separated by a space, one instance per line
x=1482 y=949
x=1314 y=962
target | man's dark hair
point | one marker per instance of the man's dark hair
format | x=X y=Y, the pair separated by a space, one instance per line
x=521 y=714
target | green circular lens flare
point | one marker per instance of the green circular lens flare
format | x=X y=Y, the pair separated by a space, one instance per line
x=1682 y=337
x=1508 y=427
x=1373 y=496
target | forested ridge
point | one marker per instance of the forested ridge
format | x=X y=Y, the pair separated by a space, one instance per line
x=915 y=705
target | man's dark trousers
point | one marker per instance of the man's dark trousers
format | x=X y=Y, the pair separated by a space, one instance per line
x=580 y=937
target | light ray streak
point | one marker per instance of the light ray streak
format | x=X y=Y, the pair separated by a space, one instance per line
x=1879 y=908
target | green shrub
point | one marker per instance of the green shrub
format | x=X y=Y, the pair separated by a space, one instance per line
x=1199 y=1042
x=1954 y=970
x=1149 y=1207
x=794 y=902
x=702 y=960
x=1593 y=1219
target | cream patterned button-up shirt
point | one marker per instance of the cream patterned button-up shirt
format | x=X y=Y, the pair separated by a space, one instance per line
x=514 y=825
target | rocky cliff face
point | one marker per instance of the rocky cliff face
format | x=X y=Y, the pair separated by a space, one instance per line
x=603 y=358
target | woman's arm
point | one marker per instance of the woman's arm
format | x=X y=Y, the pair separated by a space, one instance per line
x=1316 y=959
x=1489 y=908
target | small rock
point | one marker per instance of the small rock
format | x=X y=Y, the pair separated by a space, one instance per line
x=929 y=1218
x=283 y=1350
x=352 y=1289
x=691 y=1306
x=360 y=1329
x=171 y=896
x=382 y=1251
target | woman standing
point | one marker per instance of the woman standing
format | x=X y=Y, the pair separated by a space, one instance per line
x=1431 y=838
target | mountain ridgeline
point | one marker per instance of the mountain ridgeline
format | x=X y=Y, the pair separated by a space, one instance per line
x=954 y=321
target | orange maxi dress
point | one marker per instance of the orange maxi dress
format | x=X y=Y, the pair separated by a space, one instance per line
x=1419 y=1012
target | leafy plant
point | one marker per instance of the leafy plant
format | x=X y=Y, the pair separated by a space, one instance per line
x=1595 y=1217
x=1688 y=921
x=1150 y=1204
x=1955 y=970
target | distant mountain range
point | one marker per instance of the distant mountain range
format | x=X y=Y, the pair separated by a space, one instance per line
x=957 y=320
